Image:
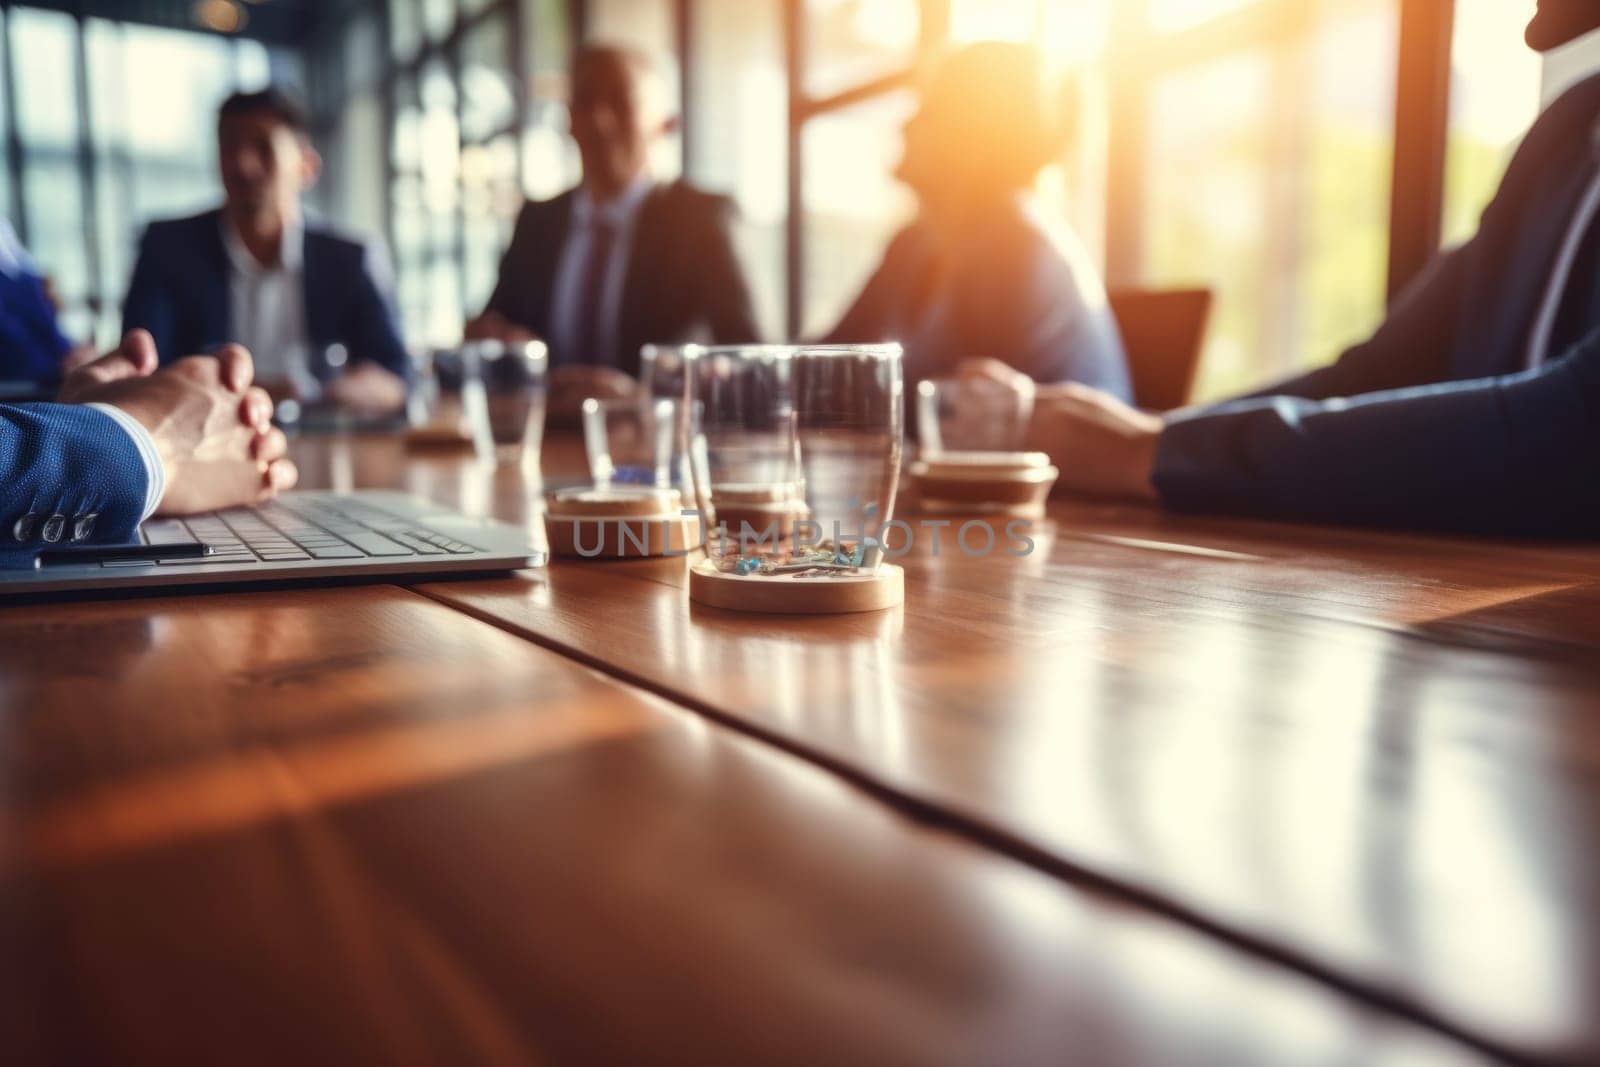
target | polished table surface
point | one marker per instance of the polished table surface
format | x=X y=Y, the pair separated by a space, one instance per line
x=1352 y=769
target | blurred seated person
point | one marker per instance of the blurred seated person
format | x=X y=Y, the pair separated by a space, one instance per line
x=314 y=307
x=979 y=272
x=622 y=260
x=128 y=440
x=32 y=347
x=1475 y=407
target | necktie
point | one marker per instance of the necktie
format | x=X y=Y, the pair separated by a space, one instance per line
x=587 y=336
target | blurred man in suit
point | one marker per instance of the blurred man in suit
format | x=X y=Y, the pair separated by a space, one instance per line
x=314 y=307
x=982 y=271
x=1475 y=406
x=622 y=260
x=32 y=347
x=128 y=440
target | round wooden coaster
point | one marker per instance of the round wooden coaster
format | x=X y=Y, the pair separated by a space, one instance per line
x=997 y=483
x=612 y=501
x=762 y=507
x=883 y=588
x=604 y=537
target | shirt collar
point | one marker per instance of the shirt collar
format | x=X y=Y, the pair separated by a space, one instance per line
x=291 y=250
x=619 y=212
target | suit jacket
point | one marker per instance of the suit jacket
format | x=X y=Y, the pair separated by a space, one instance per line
x=67 y=473
x=1026 y=297
x=1432 y=422
x=31 y=344
x=180 y=293
x=682 y=278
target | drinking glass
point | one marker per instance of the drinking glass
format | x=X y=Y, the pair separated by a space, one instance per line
x=795 y=451
x=663 y=371
x=664 y=375
x=511 y=380
x=630 y=442
x=971 y=415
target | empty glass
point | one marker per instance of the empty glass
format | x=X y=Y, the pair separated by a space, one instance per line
x=630 y=442
x=971 y=415
x=511 y=379
x=795 y=451
x=664 y=375
x=663 y=371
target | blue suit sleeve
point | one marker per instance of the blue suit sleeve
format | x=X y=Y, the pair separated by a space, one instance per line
x=66 y=460
x=376 y=326
x=1516 y=454
x=149 y=303
x=1411 y=346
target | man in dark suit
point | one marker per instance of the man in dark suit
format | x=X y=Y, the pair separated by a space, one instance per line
x=313 y=306
x=128 y=440
x=1475 y=407
x=621 y=261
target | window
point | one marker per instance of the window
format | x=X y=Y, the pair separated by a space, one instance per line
x=1494 y=97
x=853 y=203
x=97 y=165
x=1267 y=178
x=852 y=42
x=739 y=87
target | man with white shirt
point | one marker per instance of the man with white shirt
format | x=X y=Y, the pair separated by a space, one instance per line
x=622 y=260
x=313 y=306
x=1475 y=406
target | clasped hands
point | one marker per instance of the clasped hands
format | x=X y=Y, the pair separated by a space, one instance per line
x=212 y=428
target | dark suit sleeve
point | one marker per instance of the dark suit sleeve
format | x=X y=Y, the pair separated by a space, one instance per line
x=151 y=302
x=375 y=326
x=1410 y=348
x=506 y=300
x=724 y=292
x=60 y=459
x=1512 y=454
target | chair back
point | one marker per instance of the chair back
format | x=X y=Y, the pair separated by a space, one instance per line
x=1163 y=332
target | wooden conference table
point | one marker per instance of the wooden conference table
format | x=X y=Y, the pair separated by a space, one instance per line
x=1165 y=790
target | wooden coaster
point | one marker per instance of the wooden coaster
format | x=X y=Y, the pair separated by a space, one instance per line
x=438 y=437
x=1000 y=483
x=760 y=506
x=613 y=501
x=618 y=523
x=883 y=588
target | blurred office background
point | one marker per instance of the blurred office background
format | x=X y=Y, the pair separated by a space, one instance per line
x=1301 y=157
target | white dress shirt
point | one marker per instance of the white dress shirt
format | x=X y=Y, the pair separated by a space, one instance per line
x=622 y=215
x=268 y=311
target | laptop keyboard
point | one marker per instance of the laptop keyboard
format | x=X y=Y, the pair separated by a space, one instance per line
x=307 y=530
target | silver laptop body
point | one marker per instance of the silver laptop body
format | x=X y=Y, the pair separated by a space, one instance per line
x=370 y=533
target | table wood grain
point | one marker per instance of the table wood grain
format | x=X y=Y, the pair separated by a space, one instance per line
x=1375 y=755
x=354 y=825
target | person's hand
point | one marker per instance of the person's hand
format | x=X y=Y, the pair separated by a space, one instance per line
x=574 y=383
x=77 y=356
x=212 y=429
x=1098 y=443
x=368 y=387
x=993 y=370
x=493 y=326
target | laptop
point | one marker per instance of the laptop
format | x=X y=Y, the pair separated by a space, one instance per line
x=366 y=534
